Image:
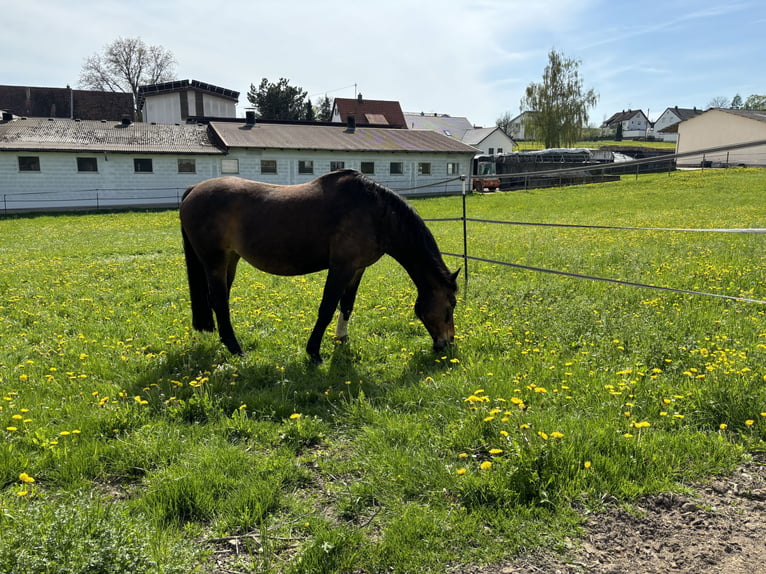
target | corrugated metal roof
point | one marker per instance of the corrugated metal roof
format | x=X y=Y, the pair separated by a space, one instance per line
x=99 y=136
x=335 y=138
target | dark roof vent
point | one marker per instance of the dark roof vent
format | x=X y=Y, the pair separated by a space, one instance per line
x=126 y=120
x=7 y=116
x=351 y=123
x=359 y=98
x=250 y=117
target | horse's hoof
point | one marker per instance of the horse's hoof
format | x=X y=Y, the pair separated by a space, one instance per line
x=315 y=359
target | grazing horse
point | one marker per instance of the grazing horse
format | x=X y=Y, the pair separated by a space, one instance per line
x=341 y=221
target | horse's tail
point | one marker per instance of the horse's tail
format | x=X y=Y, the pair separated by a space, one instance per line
x=202 y=311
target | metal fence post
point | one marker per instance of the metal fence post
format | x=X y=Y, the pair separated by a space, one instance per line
x=465 y=233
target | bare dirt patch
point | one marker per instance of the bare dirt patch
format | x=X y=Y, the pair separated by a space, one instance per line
x=718 y=528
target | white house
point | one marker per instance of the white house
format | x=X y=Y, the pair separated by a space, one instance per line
x=520 y=127
x=720 y=127
x=671 y=117
x=634 y=124
x=70 y=164
x=174 y=102
x=489 y=140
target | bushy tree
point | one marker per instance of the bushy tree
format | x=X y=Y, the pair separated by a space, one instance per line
x=559 y=102
x=126 y=64
x=280 y=101
x=736 y=102
x=755 y=102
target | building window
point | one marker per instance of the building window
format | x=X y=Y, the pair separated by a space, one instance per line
x=424 y=168
x=229 y=166
x=336 y=165
x=491 y=151
x=87 y=164
x=396 y=168
x=368 y=167
x=268 y=166
x=499 y=150
x=187 y=166
x=453 y=168
x=142 y=165
x=29 y=163
x=305 y=166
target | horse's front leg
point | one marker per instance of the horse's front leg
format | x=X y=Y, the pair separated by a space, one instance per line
x=335 y=285
x=347 y=306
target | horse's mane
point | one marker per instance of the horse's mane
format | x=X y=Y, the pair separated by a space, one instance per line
x=409 y=223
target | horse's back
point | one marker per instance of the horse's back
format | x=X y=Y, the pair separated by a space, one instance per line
x=286 y=230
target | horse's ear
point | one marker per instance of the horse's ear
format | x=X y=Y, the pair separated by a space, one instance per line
x=455 y=274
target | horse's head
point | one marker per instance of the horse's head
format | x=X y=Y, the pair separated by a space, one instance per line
x=435 y=309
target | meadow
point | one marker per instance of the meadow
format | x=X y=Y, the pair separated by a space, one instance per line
x=132 y=443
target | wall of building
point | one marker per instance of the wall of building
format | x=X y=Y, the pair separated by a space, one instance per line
x=717 y=128
x=60 y=186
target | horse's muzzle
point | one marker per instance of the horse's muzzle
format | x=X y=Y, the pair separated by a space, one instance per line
x=442 y=344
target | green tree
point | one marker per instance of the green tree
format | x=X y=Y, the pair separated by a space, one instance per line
x=126 y=64
x=324 y=109
x=755 y=102
x=280 y=101
x=559 y=102
x=736 y=102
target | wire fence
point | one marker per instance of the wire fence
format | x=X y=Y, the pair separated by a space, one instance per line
x=467 y=257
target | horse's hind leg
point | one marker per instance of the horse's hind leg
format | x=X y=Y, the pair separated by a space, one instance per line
x=219 y=284
x=347 y=306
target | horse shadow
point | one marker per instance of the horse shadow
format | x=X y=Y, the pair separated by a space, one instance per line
x=203 y=382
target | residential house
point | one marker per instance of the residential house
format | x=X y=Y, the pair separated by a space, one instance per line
x=720 y=127
x=27 y=101
x=672 y=117
x=368 y=112
x=489 y=140
x=520 y=127
x=175 y=102
x=71 y=164
x=634 y=124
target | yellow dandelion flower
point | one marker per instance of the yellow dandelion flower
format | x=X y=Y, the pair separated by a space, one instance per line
x=24 y=477
x=489 y=419
x=542 y=435
x=463 y=455
x=641 y=425
x=486 y=465
x=460 y=471
x=495 y=451
x=723 y=426
x=587 y=464
x=64 y=433
x=628 y=435
x=557 y=434
x=295 y=416
x=11 y=429
x=749 y=422
x=22 y=493
x=504 y=433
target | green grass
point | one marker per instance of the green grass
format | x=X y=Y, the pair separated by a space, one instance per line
x=153 y=450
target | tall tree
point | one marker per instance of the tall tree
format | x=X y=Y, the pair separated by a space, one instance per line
x=736 y=102
x=559 y=102
x=280 y=101
x=126 y=64
x=324 y=108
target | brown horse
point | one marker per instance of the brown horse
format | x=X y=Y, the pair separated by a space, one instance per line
x=341 y=221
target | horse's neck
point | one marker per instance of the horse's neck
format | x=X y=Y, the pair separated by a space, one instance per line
x=409 y=252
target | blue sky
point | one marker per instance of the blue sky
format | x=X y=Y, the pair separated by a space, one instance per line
x=463 y=58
